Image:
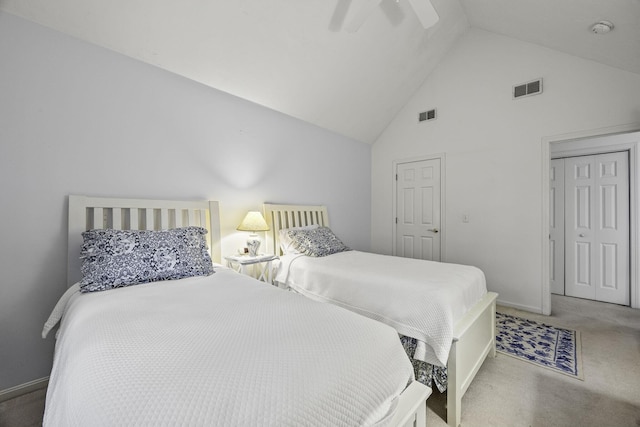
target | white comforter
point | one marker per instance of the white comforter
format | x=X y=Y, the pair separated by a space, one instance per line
x=220 y=350
x=420 y=299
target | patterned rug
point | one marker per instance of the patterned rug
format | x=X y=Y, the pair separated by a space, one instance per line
x=547 y=346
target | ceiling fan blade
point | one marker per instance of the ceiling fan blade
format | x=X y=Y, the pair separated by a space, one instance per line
x=339 y=14
x=426 y=13
x=361 y=15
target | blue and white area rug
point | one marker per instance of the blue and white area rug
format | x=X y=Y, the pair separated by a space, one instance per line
x=554 y=348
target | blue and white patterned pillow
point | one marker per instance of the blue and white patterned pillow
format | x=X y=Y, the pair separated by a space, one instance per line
x=317 y=242
x=117 y=258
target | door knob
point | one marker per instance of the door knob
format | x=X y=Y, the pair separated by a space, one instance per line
x=435 y=230
x=581 y=235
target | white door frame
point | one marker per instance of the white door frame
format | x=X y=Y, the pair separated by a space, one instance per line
x=574 y=144
x=441 y=157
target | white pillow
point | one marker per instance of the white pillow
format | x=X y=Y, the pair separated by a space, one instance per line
x=286 y=244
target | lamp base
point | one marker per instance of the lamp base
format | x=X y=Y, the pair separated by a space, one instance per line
x=253 y=243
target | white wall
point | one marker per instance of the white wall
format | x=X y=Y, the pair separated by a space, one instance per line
x=493 y=148
x=78 y=119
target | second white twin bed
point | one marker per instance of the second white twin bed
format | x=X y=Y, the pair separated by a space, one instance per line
x=415 y=305
x=443 y=311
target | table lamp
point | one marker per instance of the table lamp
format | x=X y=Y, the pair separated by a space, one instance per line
x=253 y=222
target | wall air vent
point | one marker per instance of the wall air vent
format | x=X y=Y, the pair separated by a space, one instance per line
x=427 y=115
x=526 y=89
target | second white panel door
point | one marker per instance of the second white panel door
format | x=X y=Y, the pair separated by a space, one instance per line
x=597 y=227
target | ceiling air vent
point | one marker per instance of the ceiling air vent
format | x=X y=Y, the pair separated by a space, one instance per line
x=427 y=115
x=526 y=89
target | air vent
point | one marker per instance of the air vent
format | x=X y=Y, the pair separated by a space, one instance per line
x=427 y=115
x=531 y=88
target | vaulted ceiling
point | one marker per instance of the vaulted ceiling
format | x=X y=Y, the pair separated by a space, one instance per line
x=297 y=57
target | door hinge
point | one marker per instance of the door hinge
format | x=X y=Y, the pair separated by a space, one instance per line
x=396 y=177
x=396 y=220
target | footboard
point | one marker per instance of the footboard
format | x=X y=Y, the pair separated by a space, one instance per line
x=474 y=339
x=412 y=407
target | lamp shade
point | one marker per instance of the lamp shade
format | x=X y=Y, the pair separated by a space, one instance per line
x=254 y=221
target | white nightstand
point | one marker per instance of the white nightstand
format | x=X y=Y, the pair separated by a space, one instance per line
x=262 y=267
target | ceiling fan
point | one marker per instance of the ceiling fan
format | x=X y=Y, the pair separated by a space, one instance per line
x=423 y=9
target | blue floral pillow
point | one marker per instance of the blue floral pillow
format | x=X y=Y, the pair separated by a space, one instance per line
x=316 y=242
x=117 y=258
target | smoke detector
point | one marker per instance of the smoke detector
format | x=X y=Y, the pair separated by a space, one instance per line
x=602 y=27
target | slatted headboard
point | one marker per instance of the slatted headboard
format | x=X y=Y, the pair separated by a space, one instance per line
x=86 y=213
x=286 y=216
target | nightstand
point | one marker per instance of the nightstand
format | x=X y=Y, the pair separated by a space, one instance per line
x=261 y=270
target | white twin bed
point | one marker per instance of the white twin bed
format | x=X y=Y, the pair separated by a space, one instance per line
x=217 y=349
x=445 y=307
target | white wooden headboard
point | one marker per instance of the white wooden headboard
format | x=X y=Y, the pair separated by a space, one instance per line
x=86 y=213
x=286 y=216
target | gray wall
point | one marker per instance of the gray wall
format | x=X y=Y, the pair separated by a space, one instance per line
x=79 y=119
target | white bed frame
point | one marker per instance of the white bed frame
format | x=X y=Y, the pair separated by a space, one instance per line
x=86 y=213
x=473 y=335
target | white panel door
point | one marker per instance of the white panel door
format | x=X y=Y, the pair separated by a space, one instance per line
x=556 y=226
x=597 y=227
x=418 y=191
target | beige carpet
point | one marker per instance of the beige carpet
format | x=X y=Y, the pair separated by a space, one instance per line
x=511 y=393
x=23 y=411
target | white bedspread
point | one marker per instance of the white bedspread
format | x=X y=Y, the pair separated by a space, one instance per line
x=220 y=350
x=420 y=299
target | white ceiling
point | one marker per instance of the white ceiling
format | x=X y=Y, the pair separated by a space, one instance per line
x=294 y=56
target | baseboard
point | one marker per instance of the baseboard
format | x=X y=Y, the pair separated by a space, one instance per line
x=537 y=310
x=25 y=388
